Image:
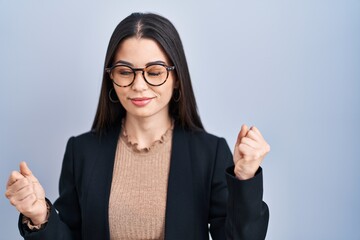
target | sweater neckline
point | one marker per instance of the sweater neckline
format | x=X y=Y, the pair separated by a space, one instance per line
x=134 y=146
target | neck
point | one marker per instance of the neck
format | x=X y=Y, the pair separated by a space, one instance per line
x=145 y=131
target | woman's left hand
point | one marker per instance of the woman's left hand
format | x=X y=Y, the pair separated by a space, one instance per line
x=250 y=150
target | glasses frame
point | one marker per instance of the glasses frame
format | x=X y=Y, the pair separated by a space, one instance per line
x=168 y=69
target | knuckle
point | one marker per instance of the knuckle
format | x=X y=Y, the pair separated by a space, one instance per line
x=268 y=148
x=8 y=194
x=12 y=201
x=241 y=147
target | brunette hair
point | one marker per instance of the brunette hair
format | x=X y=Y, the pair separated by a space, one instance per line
x=160 y=29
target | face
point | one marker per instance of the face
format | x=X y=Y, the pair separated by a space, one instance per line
x=140 y=99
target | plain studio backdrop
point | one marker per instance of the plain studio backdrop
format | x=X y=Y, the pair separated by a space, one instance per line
x=292 y=68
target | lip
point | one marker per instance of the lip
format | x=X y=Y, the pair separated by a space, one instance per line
x=141 y=101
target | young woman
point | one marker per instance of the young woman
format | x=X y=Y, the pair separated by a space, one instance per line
x=148 y=169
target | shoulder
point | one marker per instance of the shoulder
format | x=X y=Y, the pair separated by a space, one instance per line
x=93 y=137
x=91 y=140
x=203 y=140
x=200 y=135
x=84 y=150
x=89 y=136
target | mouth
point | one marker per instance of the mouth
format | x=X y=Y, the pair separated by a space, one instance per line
x=142 y=101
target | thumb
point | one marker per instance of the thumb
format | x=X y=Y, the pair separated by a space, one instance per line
x=25 y=170
x=244 y=130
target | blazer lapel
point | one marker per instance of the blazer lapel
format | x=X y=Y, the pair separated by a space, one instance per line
x=179 y=216
x=100 y=181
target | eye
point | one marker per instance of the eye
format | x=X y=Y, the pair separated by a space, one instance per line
x=156 y=70
x=154 y=74
x=123 y=71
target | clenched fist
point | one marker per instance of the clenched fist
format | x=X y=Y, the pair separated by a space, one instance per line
x=250 y=150
x=25 y=193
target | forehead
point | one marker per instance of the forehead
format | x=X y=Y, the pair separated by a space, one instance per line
x=140 y=51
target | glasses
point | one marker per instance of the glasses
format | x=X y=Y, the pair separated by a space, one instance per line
x=155 y=74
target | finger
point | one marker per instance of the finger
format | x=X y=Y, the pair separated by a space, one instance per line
x=25 y=170
x=250 y=142
x=245 y=150
x=249 y=153
x=261 y=140
x=255 y=129
x=16 y=187
x=14 y=176
x=253 y=135
x=23 y=193
x=242 y=133
x=26 y=204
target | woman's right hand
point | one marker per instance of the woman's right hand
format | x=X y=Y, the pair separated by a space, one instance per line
x=25 y=193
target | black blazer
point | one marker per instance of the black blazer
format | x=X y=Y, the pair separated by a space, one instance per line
x=200 y=192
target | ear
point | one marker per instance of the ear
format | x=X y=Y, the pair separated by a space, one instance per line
x=176 y=84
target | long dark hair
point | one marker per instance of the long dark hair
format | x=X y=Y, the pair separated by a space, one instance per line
x=160 y=29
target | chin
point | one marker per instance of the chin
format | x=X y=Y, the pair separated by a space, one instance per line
x=146 y=113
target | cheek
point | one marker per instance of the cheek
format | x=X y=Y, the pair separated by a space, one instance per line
x=167 y=92
x=119 y=92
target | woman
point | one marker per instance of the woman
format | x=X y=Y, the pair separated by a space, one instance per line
x=148 y=169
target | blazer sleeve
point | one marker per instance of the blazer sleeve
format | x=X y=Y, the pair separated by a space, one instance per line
x=237 y=210
x=65 y=218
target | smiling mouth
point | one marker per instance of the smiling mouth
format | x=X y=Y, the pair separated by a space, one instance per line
x=140 y=102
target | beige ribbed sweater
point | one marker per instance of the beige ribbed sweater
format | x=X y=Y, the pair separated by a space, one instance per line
x=139 y=189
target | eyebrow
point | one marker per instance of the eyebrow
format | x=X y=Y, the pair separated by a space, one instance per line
x=147 y=64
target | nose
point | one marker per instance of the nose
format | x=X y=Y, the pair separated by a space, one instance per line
x=139 y=83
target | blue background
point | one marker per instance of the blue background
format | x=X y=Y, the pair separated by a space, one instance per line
x=292 y=68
